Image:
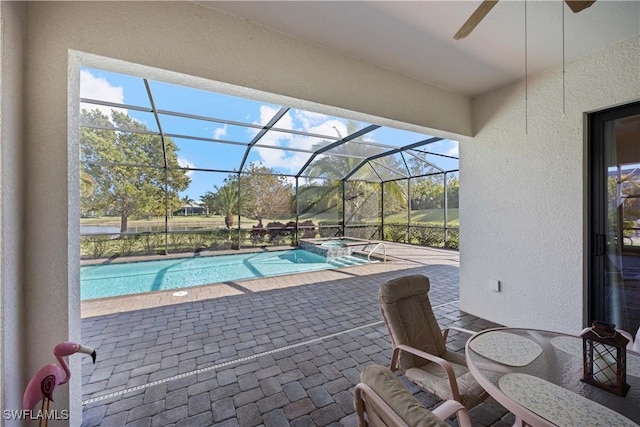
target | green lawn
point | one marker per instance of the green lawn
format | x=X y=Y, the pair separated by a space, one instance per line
x=212 y=221
x=424 y=216
x=427 y=216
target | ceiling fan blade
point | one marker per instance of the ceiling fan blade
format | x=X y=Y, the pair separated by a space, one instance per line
x=579 y=5
x=475 y=19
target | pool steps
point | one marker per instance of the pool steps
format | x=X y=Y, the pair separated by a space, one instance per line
x=346 y=261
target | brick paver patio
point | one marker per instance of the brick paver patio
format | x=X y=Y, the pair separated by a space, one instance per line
x=274 y=352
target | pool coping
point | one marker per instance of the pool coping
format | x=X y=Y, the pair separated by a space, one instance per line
x=178 y=255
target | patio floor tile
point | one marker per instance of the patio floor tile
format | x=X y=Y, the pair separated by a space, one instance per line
x=273 y=351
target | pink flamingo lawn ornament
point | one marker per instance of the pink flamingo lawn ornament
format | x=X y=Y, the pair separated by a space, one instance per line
x=44 y=382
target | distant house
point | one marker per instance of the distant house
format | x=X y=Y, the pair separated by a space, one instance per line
x=191 y=209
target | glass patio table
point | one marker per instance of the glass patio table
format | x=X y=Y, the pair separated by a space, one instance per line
x=536 y=375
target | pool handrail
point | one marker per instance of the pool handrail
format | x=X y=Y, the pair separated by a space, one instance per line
x=374 y=249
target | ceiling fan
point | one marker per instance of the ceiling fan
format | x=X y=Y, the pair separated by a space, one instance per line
x=484 y=8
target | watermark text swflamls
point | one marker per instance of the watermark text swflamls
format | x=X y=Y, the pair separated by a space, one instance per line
x=23 y=414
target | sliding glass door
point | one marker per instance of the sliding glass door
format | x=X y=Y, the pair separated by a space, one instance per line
x=614 y=216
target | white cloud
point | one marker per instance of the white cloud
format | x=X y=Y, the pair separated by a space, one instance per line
x=331 y=127
x=269 y=157
x=309 y=119
x=184 y=163
x=290 y=180
x=99 y=88
x=220 y=133
x=445 y=146
x=292 y=161
x=454 y=150
x=267 y=112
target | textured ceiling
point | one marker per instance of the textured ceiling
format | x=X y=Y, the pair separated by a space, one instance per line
x=416 y=38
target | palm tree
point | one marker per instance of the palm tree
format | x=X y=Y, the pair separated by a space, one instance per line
x=335 y=168
x=227 y=202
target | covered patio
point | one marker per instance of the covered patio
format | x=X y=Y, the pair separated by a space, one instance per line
x=517 y=96
x=288 y=353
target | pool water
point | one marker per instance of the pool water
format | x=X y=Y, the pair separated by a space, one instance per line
x=334 y=244
x=107 y=280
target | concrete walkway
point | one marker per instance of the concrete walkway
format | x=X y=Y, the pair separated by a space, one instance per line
x=274 y=352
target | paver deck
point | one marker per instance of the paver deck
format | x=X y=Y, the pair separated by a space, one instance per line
x=277 y=351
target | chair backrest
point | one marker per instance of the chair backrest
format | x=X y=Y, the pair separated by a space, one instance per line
x=407 y=312
x=390 y=404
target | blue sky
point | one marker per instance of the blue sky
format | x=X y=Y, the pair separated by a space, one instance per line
x=123 y=89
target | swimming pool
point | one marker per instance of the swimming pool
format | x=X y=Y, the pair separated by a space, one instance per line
x=107 y=280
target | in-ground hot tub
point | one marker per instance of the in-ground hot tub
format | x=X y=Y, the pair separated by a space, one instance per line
x=331 y=247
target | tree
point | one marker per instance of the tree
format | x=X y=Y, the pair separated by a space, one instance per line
x=358 y=193
x=208 y=201
x=624 y=202
x=317 y=199
x=87 y=188
x=127 y=168
x=224 y=201
x=427 y=192
x=265 y=195
x=87 y=184
x=453 y=191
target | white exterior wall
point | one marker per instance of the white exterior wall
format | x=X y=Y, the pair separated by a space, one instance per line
x=523 y=193
x=11 y=204
x=180 y=37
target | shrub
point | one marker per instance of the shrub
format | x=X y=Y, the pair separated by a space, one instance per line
x=396 y=233
x=308 y=229
x=197 y=240
x=290 y=230
x=363 y=231
x=278 y=231
x=330 y=228
x=177 y=241
x=275 y=231
x=453 y=239
x=94 y=246
x=221 y=238
x=128 y=243
x=101 y=246
x=257 y=234
x=428 y=236
x=235 y=241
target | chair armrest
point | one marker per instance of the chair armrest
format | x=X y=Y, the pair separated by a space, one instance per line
x=450 y=408
x=445 y=331
x=363 y=390
x=453 y=384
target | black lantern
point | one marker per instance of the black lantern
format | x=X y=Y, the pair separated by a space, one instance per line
x=605 y=358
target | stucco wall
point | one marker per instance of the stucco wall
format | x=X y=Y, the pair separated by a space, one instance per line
x=522 y=191
x=181 y=37
x=11 y=203
x=521 y=195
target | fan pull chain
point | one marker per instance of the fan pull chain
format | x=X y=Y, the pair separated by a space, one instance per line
x=564 y=80
x=526 y=75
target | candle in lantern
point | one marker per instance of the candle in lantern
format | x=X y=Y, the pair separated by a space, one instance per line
x=606 y=369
